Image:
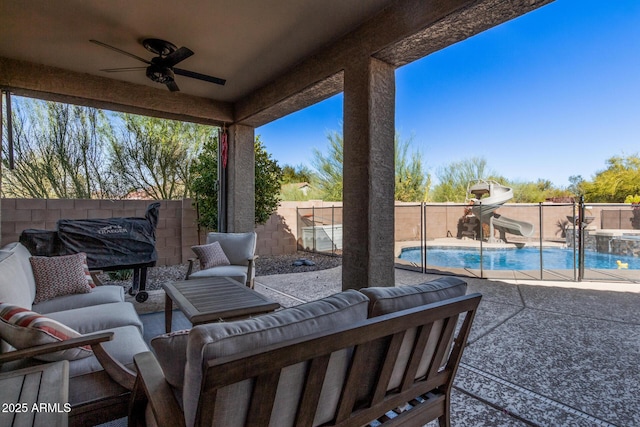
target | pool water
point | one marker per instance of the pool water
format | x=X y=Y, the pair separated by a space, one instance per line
x=515 y=259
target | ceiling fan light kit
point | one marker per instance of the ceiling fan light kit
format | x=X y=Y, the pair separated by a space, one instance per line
x=160 y=69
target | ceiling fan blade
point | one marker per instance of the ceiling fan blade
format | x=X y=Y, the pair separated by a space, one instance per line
x=199 y=76
x=118 y=70
x=177 y=56
x=173 y=87
x=120 y=51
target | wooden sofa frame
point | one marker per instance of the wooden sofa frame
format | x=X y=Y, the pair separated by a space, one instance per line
x=378 y=338
x=88 y=406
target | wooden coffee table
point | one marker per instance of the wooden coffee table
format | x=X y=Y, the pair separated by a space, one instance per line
x=213 y=299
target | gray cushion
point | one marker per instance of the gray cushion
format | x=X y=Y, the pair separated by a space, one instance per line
x=98 y=295
x=171 y=352
x=22 y=254
x=14 y=284
x=99 y=317
x=207 y=342
x=126 y=343
x=389 y=300
x=238 y=247
x=236 y=272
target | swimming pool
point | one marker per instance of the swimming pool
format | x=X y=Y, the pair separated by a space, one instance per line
x=527 y=258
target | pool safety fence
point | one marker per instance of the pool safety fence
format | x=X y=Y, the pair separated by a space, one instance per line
x=596 y=241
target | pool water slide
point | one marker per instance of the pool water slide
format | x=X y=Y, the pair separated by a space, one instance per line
x=484 y=207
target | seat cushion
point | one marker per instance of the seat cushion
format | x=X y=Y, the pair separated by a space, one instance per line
x=391 y=299
x=127 y=342
x=236 y=272
x=99 y=317
x=98 y=295
x=24 y=329
x=211 y=341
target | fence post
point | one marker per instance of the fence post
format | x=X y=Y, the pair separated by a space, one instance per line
x=333 y=227
x=423 y=237
x=313 y=226
x=481 y=240
x=581 y=240
x=540 y=247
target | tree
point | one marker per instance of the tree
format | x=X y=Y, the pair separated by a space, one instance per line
x=296 y=174
x=59 y=152
x=268 y=179
x=155 y=155
x=612 y=185
x=454 y=179
x=576 y=186
x=411 y=182
x=535 y=192
x=204 y=184
x=328 y=168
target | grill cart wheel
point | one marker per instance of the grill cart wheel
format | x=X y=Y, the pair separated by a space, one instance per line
x=142 y=296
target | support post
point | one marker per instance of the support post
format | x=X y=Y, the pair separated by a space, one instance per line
x=241 y=209
x=369 y=175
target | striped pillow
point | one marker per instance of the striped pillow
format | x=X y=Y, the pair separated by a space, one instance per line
x=23 y=328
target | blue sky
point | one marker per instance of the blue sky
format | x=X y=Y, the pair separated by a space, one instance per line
x=549 y=95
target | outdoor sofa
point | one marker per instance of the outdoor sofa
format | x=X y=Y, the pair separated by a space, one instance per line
x=48 y=313
x=344 y=360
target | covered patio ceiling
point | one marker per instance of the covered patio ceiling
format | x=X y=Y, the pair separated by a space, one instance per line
x=277 y=56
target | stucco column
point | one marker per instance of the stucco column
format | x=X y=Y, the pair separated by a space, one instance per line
x=241 y=209
x=369 y=176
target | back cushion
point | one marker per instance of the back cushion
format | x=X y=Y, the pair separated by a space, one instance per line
x=23 y=255
x=388 y=300
x=211 y=341
x=238 y=247
x=15 y=286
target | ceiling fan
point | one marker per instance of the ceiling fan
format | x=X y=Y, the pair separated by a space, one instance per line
x=161 y=68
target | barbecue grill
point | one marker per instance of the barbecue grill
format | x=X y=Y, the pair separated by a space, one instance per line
x=111 y=244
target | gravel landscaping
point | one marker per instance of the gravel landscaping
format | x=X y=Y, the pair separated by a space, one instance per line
x=299 y=262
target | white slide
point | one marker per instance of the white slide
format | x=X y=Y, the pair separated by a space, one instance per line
x=496 y=196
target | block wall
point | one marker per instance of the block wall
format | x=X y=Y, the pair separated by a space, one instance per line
x=178 y=229
x=174 y=234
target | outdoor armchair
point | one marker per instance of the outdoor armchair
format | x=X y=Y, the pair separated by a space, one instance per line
x=226 y=254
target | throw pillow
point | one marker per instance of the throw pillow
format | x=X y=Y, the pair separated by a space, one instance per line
x=210 y=255
x=60 y=275
x=171 y=351
x=23 y=328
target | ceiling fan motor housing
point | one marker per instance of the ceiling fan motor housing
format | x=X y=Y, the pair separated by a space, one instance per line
x=160 y=74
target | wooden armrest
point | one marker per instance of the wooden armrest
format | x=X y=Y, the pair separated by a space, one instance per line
x=116 y=370
x=94 y=276
x=39 y=350
x=250 y=271
x=157 y=392
x=189 y=268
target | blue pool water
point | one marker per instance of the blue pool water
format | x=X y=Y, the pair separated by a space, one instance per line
x=515 y=259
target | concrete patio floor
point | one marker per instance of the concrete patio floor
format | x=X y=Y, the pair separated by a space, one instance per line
x=539 y=354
